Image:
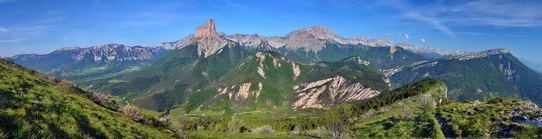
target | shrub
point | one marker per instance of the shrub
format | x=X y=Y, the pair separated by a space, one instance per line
x=497 y=100
x=132 y=112
x=296 y=131
x=427 y=103
x=406 y=113
x=221 y=127
x=368 y=114
x=318 y=132
x=236 y=125
x=67 y=85
x=265 y=129
x=446 y=101
x=101 y=98
x=150 y=120
x=180 y=126
x=339 y=120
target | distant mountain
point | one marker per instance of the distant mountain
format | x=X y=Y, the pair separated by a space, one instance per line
x=533 y=65
x=235 y=81
x=478 y=75
x=306 y=45
x=313 y=38
x=87 y=63
x=430 y=52
x=215 y=54
x=89 y=66
x=34 y=105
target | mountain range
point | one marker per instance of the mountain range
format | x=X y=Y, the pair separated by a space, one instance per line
x=210 y=69
x=309 y=83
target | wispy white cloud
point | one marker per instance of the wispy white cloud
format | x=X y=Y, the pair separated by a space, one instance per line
x=490 y=34
x=10 y=40
x=400 y=35
x=422 y=39
x=517 y=36
x=444 y=15
x=503 y=13
x=3 y=29
x=435 y=22
x=406 y=36
x=387 y=34
x=7 y=0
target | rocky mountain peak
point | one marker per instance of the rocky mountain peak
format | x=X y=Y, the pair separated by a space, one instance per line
x=208 y=40
x=67 y=48
x=108 y=46
x=427 y=50
x=317 y=31
x=312 y=38
x=481 y=54
x=207 y=30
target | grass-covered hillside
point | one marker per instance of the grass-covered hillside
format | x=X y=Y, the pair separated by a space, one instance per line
x=33 y=105
x=418 y=110
x=499 y=117
x=236 y=80
x=483 y=76
x=430 y=114
x=368 y=118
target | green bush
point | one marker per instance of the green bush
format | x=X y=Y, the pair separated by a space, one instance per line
x=236 y=125
x=265 y=129
x=318 y=132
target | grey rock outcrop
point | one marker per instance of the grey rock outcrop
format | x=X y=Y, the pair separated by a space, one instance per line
x=103 y=53
x=313 y=38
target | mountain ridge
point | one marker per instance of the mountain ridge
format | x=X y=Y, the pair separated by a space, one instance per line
x=478 y=75
x=312 y=38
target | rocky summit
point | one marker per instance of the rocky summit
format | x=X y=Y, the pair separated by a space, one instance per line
x=206 y=31
x=310 y=39
x=208 y=40
x=103 y=53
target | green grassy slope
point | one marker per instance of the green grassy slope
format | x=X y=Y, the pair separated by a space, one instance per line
x=278 y=81
x=175 y=76
x=183 y=80
x=402 y=113
x=480 y=78
x=398 y=113
x=33 y=105
x=495 y=118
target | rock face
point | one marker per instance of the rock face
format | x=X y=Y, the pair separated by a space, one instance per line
x=313 y=38
x=206 y=37
x=328 y=92
x=80 y=64
x=103 y=53
x=206 y=31
x=309 y=39
x=481 y=54
x=426 y=50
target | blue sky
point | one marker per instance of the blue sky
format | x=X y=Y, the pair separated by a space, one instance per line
x=41 y=26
